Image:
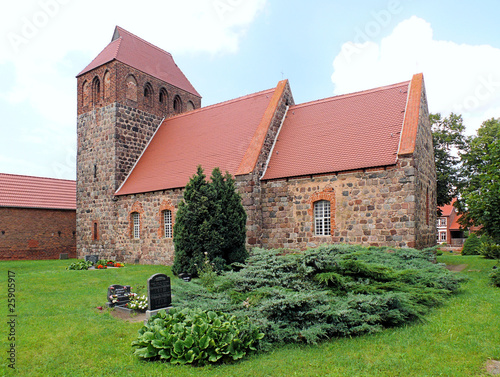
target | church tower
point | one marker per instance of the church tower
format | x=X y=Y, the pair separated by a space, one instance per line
x=123 y=95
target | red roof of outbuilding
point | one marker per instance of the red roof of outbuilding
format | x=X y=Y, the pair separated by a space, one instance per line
x=224 y=135
x=347 y=132
x=137 y=53
x=36 y=192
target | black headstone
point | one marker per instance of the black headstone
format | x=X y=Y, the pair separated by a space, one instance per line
x=159 y=293
x=91 y=258
x=118 y=295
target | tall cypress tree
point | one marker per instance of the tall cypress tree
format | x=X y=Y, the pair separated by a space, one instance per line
x=210 y=220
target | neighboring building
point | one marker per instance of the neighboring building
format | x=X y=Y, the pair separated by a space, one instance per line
x=449 y=230
x=356 y=168
x=37 y=217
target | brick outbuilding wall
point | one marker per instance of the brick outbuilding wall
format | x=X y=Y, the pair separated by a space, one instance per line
x=32 y=234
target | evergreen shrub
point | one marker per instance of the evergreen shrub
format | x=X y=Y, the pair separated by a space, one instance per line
x=326 y=292
x=210 y=223
x=471 y=245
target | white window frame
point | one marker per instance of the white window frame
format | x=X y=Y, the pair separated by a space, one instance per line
x=136 y=223
x=442 y=222
x=441 y=238
x=167 y=223
x=322 y=218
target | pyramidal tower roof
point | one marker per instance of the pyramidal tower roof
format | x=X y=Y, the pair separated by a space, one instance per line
x=129 y=49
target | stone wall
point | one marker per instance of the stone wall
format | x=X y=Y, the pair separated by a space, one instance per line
x=113 y=130
x=34 y=234
x=371 y=207
x=425 y=172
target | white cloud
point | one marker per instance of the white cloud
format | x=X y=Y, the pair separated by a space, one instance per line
x=49 y=41
x=459 y=78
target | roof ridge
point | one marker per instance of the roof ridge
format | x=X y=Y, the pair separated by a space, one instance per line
x=224 y=103
x=38 y=177
x=120 y=29
x=349 y=95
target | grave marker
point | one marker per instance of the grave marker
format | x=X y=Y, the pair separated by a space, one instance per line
x=91 y=258
x=118 y=295
x=159 y=293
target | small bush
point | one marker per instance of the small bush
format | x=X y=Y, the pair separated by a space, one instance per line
x=193 y=336
x=79 y=265
x=471 y=245
x=490 y=250
x=495 y=277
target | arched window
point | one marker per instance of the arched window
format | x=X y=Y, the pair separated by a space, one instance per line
x=96 y=90
x=177 y=104
x=163 y=98
x=131 y=88
x=322 y=225
x=136 y=225
x=190 y=106
x=85 y=93
x=148 y=94
x=107 y=85
x=167 y=223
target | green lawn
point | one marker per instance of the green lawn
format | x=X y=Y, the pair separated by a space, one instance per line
x=59 y=332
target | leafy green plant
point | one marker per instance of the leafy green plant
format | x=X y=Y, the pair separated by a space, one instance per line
x=471 y=245
x=207 y=273
x=193 y=336
x=489 y=250
x=79 y=265
x=495 y=277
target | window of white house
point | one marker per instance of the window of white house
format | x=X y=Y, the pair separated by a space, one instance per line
x=322 y=225
x=442 y=237
x=167 y=223
x=441 y=222
x=136 y=224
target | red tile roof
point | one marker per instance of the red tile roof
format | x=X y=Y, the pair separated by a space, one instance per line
x=137 y=53
x=455 y=225
x=447 y=208
x=347 y=132
x=36 y=192
x=225 y=135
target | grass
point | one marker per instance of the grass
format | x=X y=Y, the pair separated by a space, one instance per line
x=59 y=332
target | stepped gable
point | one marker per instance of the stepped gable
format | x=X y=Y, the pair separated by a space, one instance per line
x=139 y=54
x=347 y=132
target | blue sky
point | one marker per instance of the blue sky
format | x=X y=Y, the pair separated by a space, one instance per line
x=230 y=48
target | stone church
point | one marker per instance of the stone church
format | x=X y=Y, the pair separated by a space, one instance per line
x=355 y=168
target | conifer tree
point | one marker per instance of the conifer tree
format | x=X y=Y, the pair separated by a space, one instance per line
x=210 y=222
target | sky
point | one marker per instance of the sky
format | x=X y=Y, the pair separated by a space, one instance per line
x=231 y=48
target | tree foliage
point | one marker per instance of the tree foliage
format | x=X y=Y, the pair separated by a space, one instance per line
x=448 y=140
x=481 y=187
x=210 y=224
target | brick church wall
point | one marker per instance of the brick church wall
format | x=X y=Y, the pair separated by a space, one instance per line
x=113 y=130
x=32 y=234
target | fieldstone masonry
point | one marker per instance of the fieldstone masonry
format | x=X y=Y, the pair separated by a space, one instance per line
x=386 y=206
